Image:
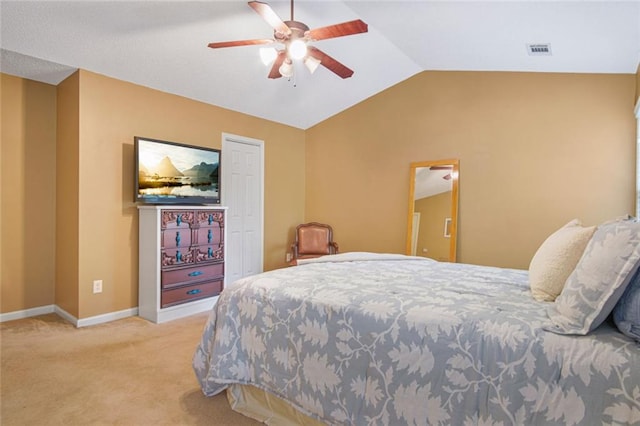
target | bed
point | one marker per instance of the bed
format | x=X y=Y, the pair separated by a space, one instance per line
x=385 y=339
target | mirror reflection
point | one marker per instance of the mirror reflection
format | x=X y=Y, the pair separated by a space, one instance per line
x=433 y=210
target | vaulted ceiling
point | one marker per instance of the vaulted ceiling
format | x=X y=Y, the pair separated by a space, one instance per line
x=163 y=45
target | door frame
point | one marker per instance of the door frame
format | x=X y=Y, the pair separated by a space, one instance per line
x=414 y=233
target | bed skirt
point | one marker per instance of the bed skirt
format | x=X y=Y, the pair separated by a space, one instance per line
x=266 y=407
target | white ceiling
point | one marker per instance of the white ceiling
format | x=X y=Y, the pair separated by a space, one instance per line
x=163 y=45
x=431 y=182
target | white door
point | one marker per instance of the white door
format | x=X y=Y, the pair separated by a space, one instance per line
x=242 y=191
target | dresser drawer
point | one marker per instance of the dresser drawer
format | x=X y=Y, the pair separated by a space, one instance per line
x=192 y=274
x=182 y=256
x=188 y=293
x=174 y=238
x=209 y=253
x=177 y=219
x=210 y=218
x=209 y=235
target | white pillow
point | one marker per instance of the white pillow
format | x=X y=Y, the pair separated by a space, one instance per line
x=556 y=258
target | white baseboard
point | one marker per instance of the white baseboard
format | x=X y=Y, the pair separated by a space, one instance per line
x=26 y=313
x=84 y=322
x=66 y=315
x=112 y=316
x=98 y=319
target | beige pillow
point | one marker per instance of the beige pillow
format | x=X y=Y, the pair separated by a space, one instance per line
x=556 y=258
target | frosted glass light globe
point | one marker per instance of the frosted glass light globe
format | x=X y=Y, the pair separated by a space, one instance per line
x=268 y=55
x=311 y=63
x=297 y=49
x=286 y=69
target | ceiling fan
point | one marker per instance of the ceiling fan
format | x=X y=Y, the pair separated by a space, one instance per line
x=446 y=176
x=296 y=37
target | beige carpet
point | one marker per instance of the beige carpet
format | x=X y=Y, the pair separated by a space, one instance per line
x=128 y=372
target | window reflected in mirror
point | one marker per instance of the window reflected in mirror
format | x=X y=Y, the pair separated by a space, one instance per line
x=433 y=210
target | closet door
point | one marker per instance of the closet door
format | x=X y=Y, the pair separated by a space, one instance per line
x=242 y=189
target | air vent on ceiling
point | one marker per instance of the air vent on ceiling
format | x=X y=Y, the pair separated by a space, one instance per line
x=539 y=49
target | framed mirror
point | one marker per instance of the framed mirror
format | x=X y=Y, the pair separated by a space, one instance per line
x=432 y=223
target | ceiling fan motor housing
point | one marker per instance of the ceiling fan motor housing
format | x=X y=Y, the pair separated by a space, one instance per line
x=298 y=30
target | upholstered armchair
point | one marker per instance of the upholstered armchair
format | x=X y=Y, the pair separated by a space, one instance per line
x=313 y=240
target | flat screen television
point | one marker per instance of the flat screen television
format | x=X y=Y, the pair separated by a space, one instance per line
x=175 y=173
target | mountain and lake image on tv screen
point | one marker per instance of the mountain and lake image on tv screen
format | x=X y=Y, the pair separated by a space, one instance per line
x=173 y=170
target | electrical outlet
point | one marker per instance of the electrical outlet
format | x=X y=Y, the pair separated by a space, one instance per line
x=97 y=286
x=288 y=257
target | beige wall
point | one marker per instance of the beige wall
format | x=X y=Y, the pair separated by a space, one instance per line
x=112 y=112
x=535 y=150
x=97 y=223
x=28 y=164
x=67 y=181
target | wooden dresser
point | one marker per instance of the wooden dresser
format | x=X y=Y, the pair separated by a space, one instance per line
x=181 y=253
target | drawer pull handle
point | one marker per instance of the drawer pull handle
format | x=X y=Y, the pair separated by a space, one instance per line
x=195 y=273
x=196 y=291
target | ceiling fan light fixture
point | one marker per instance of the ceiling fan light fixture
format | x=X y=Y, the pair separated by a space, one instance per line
x=286 y=69
x=311 y=63
x=297 y=49
x=295 y=36
x=268 y=55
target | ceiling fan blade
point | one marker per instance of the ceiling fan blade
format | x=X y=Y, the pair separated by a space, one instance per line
x=338 y=30
x=264 y=10
x=330 y=63
x=218 y=45
x=275 y=68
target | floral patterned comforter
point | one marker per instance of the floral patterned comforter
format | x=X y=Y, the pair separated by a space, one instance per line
x=388 y=340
